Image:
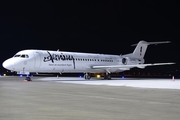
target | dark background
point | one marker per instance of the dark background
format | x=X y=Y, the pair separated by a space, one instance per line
x=107 y=26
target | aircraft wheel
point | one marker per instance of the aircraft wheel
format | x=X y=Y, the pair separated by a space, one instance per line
x=87 y=76
x=107 y=76
x=28 y=78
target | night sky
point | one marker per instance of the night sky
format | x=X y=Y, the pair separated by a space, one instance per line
x=107 y=26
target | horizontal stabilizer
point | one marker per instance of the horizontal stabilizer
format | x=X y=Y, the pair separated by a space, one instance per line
x=151 y=43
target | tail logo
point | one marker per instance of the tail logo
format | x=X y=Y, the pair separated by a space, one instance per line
x=141 y=51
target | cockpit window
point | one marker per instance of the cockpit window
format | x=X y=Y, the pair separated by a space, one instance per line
x=17 y=55
x=26 y=56
x=22 y=56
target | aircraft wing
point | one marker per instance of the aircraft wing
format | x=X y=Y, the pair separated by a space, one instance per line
x=127 y=67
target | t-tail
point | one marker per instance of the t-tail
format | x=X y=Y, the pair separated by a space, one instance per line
x=140 y=50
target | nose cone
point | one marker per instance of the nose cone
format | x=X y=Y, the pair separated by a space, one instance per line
x=8 y=64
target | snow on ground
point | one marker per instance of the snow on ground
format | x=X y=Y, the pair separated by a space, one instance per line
x=129 y=82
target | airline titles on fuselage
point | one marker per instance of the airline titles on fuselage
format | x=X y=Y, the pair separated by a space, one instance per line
x=59 y=57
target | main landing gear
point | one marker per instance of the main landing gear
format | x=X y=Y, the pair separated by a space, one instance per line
x=87 y=76
x=107 y=76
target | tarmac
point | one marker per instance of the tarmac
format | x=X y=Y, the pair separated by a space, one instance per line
x=65 y=98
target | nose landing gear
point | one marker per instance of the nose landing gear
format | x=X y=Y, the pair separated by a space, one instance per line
x=27 y=79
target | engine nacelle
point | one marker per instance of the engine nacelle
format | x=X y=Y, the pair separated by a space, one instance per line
x=127 y=60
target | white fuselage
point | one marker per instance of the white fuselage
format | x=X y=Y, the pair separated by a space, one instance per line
x=44 y=61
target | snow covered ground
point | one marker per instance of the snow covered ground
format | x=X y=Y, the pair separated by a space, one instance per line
x=129 y=82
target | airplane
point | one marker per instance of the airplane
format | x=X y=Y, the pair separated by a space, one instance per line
x=48 y=61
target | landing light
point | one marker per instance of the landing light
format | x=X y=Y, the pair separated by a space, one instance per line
x=20 y=75
x=122 y=76
x=4 y=74
x=98 y=76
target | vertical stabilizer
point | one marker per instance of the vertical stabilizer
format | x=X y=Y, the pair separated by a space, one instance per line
x=141 y=47
x=140 y=50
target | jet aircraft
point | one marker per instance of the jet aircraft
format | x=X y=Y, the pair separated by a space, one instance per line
x=48 y=61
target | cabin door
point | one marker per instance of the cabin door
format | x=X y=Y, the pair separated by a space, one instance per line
x=37 y=56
